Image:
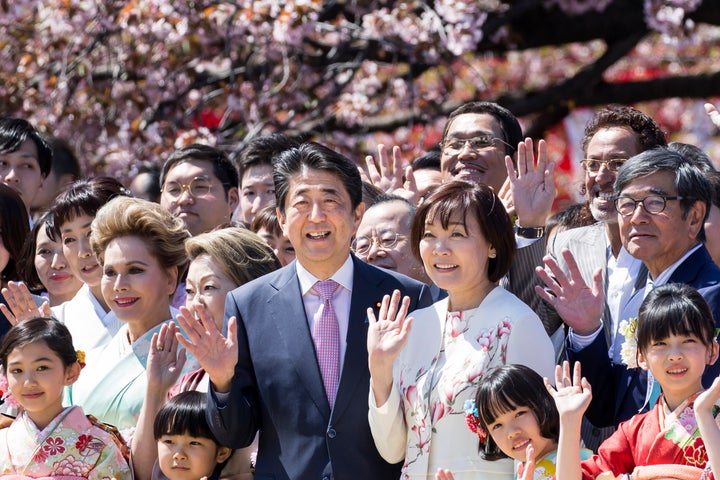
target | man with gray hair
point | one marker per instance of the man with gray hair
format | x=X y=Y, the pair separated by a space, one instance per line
x=662 y=200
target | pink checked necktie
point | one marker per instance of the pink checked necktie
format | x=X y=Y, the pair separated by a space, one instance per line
x=326 y=335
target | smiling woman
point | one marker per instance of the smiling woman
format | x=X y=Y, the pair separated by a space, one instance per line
x=140 y=247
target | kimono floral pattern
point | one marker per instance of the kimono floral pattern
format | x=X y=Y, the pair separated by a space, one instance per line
x=69 y=446
x=431 y=392
x=653 y=439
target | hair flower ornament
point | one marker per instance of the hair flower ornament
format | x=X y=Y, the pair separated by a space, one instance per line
x=472 y=418
x=628 y=353
x=81 y=358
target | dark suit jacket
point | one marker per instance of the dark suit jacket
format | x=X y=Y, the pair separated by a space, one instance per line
x=277 y=387
x=625 y=388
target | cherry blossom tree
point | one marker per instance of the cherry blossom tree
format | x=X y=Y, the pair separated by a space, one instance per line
x=127 y=81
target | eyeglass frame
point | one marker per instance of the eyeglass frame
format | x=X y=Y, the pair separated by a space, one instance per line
x=607 y=163
x=664 y=198
x=465 y=141
x=187 y=187
x=376 y=240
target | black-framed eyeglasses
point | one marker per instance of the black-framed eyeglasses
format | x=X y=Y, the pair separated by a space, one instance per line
x=198 y=187
x=652 y=204
x=593 y=165
x=386 y=241
x=455 y=145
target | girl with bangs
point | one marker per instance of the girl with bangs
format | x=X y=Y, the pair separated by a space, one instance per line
x=422 y=376
x=674 y=338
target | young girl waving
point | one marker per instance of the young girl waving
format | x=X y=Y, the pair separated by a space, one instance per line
x=514 y=416
x=47 y=440
x=675 y=336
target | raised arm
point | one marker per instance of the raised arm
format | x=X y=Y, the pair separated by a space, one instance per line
x=572 y=395
x=21 y=304
x=164 y=365
x=709 y=430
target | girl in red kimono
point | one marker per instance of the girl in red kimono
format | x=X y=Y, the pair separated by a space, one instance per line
x=675 y=336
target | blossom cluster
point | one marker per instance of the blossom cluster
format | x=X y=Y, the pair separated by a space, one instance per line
x=126 y=82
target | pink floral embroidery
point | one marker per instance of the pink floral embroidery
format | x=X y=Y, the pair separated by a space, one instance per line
x=54 y=445
x=458 y=325
x=40 y=456
x=438 y=411
x=71 y=467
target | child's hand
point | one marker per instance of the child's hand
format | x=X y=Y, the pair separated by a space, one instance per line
x=527 y=471
x=21 y=304
x=705 y=401
x=164 y=363
x=443 y=474
x=572 y=395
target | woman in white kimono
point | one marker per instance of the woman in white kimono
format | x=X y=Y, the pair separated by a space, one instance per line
x=421 y=376
x=140 y=247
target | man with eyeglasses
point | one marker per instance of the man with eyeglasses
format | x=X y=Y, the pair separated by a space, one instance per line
x=199 y=185
x=662 y=200
x=383 y=239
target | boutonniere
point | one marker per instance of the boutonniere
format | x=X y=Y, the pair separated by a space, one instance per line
x=628 y=353
x=376 y=308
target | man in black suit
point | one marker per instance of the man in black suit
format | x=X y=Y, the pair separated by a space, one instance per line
x=309 y=429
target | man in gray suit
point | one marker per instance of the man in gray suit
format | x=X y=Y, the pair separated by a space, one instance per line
x=614 y=134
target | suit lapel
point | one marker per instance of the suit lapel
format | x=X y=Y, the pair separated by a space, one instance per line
x=288 y=315
x=366 y=292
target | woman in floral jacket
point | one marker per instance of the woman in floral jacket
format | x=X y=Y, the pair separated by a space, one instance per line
x=421 y=376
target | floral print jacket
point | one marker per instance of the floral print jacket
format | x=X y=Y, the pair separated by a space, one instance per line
x=446 y=354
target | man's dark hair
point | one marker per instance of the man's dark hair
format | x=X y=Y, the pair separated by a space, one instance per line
x=429 y=160
x=64 y=161
x=314 y=156
x=511 y=130
x=649 y=133
x=14 y=132
x=262 y=150
x=223 y=168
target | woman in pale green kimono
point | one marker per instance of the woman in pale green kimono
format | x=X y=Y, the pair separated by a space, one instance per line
x=141 y=249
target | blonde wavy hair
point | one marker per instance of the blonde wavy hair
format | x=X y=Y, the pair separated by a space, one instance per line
x=241 y=254
x=163 y=234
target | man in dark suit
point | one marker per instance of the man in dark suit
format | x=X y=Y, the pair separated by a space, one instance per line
x=309 y=429
x=662 y=201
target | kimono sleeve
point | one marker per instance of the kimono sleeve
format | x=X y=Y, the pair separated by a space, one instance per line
x=615 y=454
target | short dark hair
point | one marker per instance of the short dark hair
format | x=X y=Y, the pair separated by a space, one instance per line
x=509 y=125
x=85 y=197
x=223 y=168
x=26 y=267
x=690 y=182
x=465 y=198
x=429 y=160
x=674 y=309
x=506 y=388
x=184 y=414
x=262 y=150
x=14 y=132
x=39 y=329
x=315 y=156
x=266 y=218
x=648 y=132
x=14 y=229
x=64 y=161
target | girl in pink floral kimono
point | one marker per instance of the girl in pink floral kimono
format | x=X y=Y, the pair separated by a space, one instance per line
x=675 y=339
x=48 y=440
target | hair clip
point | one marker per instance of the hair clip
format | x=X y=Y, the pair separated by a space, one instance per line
x=472 y=419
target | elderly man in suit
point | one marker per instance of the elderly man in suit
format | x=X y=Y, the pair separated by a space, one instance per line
x=662 y=201
x=300 y=375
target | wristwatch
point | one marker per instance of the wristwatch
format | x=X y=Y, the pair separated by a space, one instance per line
x=528 y=232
